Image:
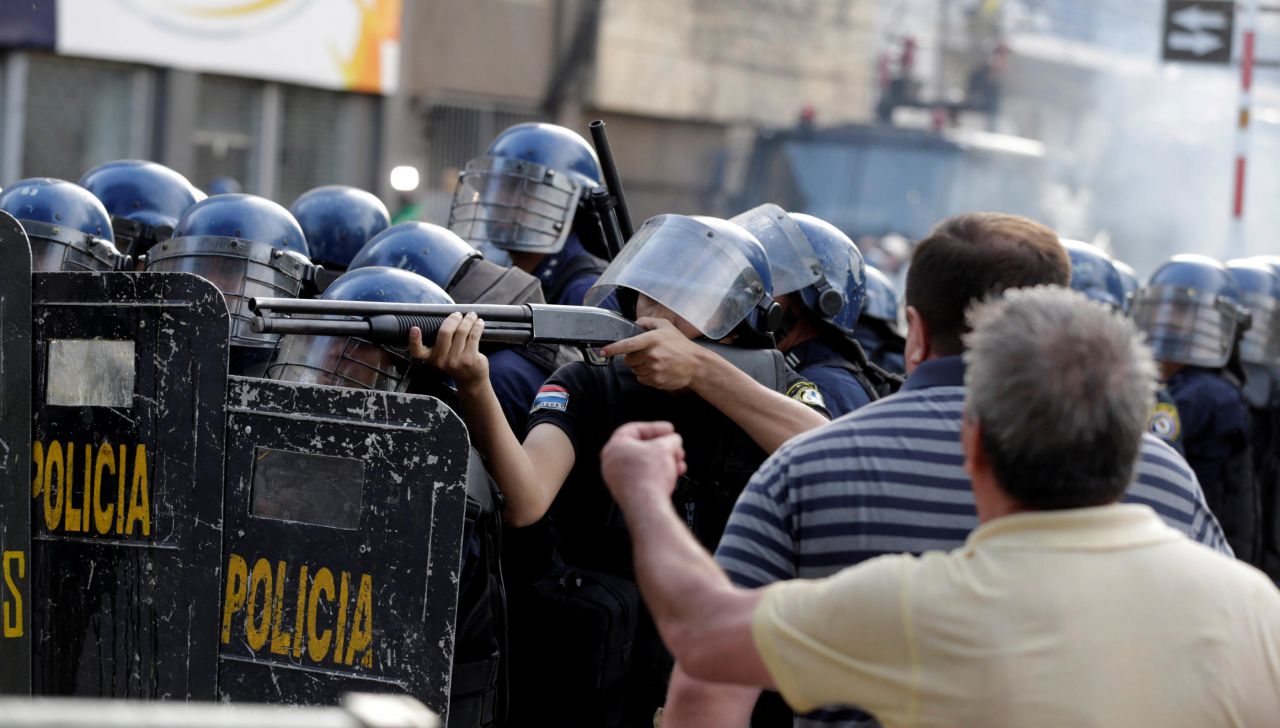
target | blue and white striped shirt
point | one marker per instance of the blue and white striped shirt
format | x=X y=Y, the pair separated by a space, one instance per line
x=890 y=478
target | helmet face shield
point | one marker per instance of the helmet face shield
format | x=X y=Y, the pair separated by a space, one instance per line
x=689 y=268
x=340 y=361
x=792 y=260
x=1185 y=327
x=1261 y=341
x=514 y=205
x=241 y=269
x=55 y=248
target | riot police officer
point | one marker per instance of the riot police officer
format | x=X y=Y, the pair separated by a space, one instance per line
x=819 y=281
x=476 y=697
x=1190 y=311
x=521 y=201
x=686 y=278
x=144 y=200
x=247 y=246
x=877 y=328
x=337 y=221
x=1260 y=355
x=461 y=270
x=68 y=227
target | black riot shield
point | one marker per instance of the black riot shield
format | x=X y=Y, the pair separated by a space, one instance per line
x=15 y=453
x=130 y=374
x=342 y=543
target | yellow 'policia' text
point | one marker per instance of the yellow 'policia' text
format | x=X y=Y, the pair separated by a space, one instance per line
x=79 y=497
x=260 y=595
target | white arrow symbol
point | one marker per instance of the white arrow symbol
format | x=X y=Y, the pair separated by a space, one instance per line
x=1196 y=18
x=1197 y=43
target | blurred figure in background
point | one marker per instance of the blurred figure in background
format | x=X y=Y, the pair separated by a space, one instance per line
x=1190 y=310
x=1260 y=356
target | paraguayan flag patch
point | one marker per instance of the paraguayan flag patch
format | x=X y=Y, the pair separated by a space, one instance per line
x=551 y=397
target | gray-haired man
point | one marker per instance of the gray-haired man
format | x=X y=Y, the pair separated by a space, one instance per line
x=1063 y=608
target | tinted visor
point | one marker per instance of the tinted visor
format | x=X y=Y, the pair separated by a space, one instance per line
x=514 y=205
x=1184 y=327
x=702 y=278
x=792 y=260
x=340 y=361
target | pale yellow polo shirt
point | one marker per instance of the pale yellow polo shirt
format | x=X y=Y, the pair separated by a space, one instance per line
x=1089 y=617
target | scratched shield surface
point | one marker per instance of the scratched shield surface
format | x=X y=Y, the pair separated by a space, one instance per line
x=130 y=374
x=342 y=543
x=15 y=453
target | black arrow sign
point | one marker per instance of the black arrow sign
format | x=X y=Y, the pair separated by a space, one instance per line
x=1198 y=31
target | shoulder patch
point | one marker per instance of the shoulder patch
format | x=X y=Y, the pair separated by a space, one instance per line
x=1164 y=422
x=806 y=393
x=551 y=397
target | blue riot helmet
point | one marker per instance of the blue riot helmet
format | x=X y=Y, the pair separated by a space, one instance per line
x=843 y=271
x=68 y=227
x=224 y=185
x=429 y=250
x=350 y=361
x=445 y=259
x=337 y=221
x=710 y=272
x=882 y=299
x=1094 y=274
x=523 y=194
x=1190 y=311
x=1260 y=346
x=1128 y=281
x=794 y=262
x=144 y=200
x=248 y=246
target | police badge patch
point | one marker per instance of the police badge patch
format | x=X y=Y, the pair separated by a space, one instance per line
x=806 y=393
x=1164 y=422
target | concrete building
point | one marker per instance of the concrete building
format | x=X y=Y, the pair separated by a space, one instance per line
x=682 y=84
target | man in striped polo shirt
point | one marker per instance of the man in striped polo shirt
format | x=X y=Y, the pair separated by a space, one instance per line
x=890 y=478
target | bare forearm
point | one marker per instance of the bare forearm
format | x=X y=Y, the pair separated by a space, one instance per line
x=506 y=459
x=703 y=619
x=693 y=702
x=769 y=418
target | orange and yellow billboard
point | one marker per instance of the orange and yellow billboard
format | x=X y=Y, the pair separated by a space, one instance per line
x=351 y=45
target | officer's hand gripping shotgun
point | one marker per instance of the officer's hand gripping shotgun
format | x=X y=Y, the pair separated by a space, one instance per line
x=389 y=323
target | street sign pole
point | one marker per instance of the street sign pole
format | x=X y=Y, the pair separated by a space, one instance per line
x=1236 y=238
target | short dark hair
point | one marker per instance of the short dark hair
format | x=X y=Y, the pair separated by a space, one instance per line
x=970 y=257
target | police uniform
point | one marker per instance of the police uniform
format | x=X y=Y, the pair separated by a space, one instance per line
x=592 y=548
x=832 y=373
x=1215 y=437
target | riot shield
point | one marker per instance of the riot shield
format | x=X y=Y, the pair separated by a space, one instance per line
x=15 y=453
x=126 y=483
x=342 y=543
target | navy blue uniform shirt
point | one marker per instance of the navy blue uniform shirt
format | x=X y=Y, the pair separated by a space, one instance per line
x=1215 y=422
x=816 y=361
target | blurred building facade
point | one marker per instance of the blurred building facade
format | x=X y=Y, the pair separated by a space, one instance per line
x=683 y=85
